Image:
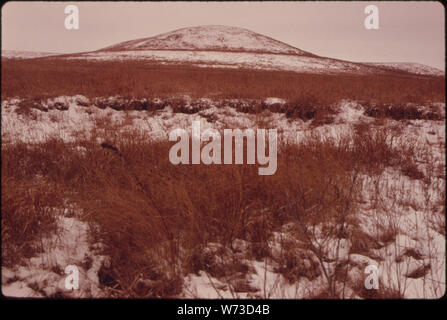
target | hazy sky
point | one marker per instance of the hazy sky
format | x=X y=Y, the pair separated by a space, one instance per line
x=408 y=31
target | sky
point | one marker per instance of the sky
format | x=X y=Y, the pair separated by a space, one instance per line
x=408 y=31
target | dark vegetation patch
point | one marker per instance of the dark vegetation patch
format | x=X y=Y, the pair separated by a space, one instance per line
x=403 y=111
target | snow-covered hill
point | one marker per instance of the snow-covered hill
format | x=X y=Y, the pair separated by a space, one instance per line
x=224 y=47
x=15 y=54
x=216 y=46
x=411 y=67
x=210 y=38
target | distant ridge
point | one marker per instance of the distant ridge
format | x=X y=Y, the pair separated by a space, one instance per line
x=16 y=54
x=412 y=67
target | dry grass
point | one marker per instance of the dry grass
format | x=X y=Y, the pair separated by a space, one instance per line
x=400 y=111
x=28 y=215
x=42 y=78
x=155 y=217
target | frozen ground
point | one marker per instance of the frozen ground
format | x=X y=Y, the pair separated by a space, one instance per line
x=412 y=67
x=411 y=260
x=211 y=37
x=45 y=274
x=25 y=54
x=78 y=118
x=221 y=59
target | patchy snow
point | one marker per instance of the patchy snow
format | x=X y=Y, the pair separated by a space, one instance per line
x=216 y=46
x=211 y=37
x=211 y=45
x=411 y=261
x=272 y=100
x=44 y=275
x=14 y=54
x=411 y=67
x=351 y=112
x=81 y=116
x=221 y=59
x=409 y=211
x=263 y=282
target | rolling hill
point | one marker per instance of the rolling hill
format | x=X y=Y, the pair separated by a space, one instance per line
x=231 y=47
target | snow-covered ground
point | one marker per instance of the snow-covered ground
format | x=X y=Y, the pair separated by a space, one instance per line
x=211 y=37
x=411 y=262
x=412 y=67
x=45 y=274
x=221 y=59
x=82 y=116
x=215 y=46
x=15 y=54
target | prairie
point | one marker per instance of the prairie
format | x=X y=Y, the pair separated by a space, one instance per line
x=86 y=180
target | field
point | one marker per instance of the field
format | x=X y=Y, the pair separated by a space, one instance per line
x=86 y=181
x=45 y=78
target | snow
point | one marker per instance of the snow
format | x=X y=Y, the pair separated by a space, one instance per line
x=215 y=46
x=272 y=100
x=19 y=289
x=81 y=119
x=211 y=37
x=221 y=59
x=14 y=54
x=409 y=206
x=43 y=275
x=267 y=283
x=413 y=233
x=411 y=67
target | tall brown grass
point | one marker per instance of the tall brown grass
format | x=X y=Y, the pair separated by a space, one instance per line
x=41 y=78
x=155 y=217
